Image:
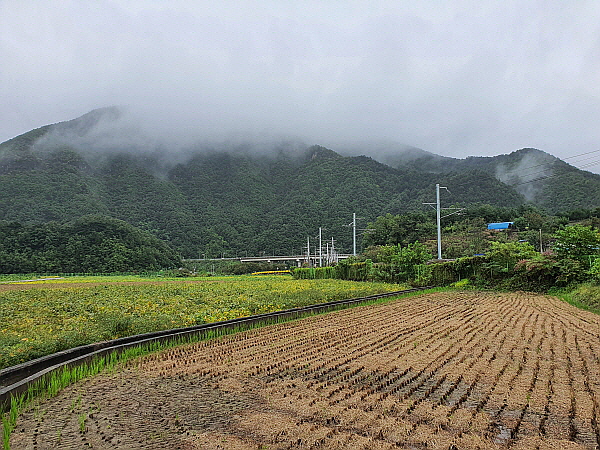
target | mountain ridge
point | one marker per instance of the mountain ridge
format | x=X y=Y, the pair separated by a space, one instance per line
x=212 y=200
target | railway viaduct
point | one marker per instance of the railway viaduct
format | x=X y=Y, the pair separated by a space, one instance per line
x=298 y=259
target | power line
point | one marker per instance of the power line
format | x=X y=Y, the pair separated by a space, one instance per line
x=581 y=154
x=593 y=163
x=558 y=159
x=553 y=175
x=521 y=175
x=537 y=179
x=534 y=180
x=585 y=159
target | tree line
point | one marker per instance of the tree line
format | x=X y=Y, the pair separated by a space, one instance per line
x=91 y=244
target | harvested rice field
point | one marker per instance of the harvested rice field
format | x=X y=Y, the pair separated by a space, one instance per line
x=446 y=370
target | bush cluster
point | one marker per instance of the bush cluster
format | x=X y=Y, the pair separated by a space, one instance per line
x=575 y=259
x=392 y=264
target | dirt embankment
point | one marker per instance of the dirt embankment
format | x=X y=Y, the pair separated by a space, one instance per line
x=439 y=371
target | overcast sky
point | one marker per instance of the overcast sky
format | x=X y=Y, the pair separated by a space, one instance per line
x=456 y=78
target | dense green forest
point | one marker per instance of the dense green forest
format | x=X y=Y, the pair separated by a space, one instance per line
x=91 y=244
x=236 y=200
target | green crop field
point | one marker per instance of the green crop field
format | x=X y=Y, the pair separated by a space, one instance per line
x=42 y=317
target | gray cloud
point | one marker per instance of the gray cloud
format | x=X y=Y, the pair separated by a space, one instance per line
x=455 y=78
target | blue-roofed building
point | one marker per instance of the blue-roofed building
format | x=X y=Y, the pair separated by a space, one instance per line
x=500 y=226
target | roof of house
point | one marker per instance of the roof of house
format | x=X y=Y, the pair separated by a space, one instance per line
x=500 y=225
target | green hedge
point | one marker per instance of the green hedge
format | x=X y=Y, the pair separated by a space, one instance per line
x=315 y=273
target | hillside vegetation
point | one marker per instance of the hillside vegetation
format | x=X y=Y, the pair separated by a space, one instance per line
x=91 y=244
x=235 y=199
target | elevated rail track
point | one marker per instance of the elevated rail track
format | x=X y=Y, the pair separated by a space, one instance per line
x=298 y=259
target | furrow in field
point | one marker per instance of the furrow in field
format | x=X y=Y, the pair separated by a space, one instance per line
x=463 y=370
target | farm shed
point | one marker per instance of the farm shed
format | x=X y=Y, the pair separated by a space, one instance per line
x=500 y=226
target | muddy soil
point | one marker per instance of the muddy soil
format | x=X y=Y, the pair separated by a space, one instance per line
x=439 y=371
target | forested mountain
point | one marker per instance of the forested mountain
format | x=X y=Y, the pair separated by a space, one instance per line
x=541 y=178
x=227 y=200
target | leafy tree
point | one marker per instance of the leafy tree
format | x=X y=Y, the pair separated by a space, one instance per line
x=594 y=271
x=400 y=264
x=544 y=271
x=577 y=242
x=503 y=256
x=401 y=229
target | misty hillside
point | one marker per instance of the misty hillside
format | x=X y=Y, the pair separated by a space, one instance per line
x=540 y=177
x=228 y=199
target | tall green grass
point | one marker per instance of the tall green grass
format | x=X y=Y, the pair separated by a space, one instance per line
x=585 y=296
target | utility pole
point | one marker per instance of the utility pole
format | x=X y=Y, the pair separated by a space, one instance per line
x=353 y=234
x=330 y=255
x=333 y=255
x=308 y=250
x=320 y=249
x=439 y=217
x=439 y=221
